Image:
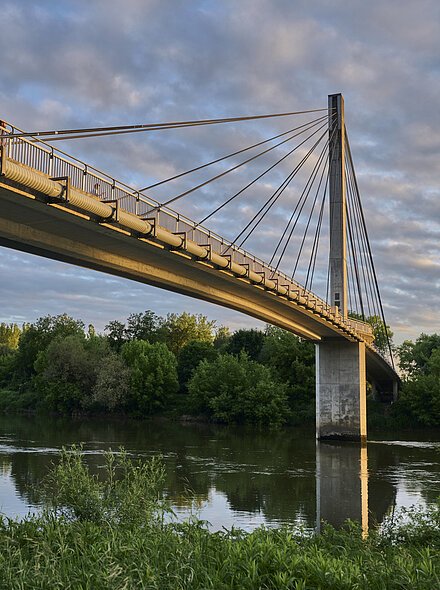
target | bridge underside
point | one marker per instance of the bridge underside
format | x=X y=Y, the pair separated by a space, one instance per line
x=57 y=232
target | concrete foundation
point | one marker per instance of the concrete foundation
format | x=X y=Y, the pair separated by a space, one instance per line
x=341 y=390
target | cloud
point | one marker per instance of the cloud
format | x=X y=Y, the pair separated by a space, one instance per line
x=76 y=63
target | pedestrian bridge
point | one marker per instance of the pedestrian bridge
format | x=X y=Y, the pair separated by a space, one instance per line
x=55 y=206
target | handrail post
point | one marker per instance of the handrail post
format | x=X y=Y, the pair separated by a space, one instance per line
x=4 y=148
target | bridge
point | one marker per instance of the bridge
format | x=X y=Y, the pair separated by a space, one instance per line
x=56 y=206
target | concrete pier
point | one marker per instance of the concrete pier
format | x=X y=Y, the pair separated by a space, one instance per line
x=341 y=390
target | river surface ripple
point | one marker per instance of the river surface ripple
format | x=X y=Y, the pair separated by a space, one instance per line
x=232 y=476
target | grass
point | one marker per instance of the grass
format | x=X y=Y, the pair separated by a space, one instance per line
x=111 y=533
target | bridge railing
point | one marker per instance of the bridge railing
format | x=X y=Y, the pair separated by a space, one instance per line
x=54 y=163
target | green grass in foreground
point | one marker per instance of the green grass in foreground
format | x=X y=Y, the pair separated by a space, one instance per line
x=111 y=532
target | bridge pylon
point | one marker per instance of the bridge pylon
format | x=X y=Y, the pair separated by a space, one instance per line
x=340 y=364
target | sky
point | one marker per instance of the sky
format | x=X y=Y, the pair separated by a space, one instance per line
x=71 y=64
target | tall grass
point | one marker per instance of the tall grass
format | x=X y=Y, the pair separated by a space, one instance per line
x=110 y=532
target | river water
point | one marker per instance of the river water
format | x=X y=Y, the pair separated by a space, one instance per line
x=237 y=477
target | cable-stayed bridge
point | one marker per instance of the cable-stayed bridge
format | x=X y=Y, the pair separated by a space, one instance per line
x=56 y=206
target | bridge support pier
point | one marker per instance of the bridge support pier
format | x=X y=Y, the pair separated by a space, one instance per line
x=341 y=390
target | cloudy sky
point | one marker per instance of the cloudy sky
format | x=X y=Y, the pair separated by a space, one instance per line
x=70 y=64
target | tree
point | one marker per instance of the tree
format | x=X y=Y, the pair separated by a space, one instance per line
x=65 y=373
x=153 y=375
x=249 y=341
x=115 y=333
x=110 y=391
x=383 y=336
x=292 y=361
x=76 y=373
x=420 y=398
x=37 y=337
x=222 y=337
x=414 y=357
x=142 y=326
x=9 y=336
x=420 y=394
x=178 y=330
x=7 y=365
x=189 y=358
x=237 y=389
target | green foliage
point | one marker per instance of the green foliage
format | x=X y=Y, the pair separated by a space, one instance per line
x=222 y=337
x=420 y=398
x=126 y=493
x=382 y=333
x=116 y=532
x=9 y=336
x=37 y=337
x=75 y=373
x=178 y=330
x=116 y=332
x=189 y=358
x=70 y=371
x=420 y=395
x=12 y=401
x=111 y=385
x=153 y=375
x=237 y=389
x=7 y=367
x=143 y=326
x=248 y=341
x=414 y=357
x=292 y=361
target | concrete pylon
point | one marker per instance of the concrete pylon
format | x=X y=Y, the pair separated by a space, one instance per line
x=338 y=206
x=340 y=364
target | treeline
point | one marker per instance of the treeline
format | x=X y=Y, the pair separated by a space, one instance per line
x=185 y=364
x=419 y=400
x=177 y=365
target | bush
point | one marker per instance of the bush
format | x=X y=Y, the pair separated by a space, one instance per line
x=126 y=492
x=236 y=389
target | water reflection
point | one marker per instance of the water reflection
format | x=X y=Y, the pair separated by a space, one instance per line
x=341 y=484
x=233 y=476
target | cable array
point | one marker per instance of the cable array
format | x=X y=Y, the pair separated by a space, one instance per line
x=62 y=134
x=299 y=242
x=363 y=288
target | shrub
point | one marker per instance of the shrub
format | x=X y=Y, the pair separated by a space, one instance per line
x=236 y=389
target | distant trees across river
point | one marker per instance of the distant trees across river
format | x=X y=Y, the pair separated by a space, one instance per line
x=187 y=365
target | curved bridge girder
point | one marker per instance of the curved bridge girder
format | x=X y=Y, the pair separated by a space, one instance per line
x=57 y=231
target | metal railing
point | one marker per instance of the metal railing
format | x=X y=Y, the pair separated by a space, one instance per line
x=53 y=162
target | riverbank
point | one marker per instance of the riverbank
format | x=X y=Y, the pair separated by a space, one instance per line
x=116 y=533
x=380 y=416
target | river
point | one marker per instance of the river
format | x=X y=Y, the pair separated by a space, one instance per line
x=236 y=476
